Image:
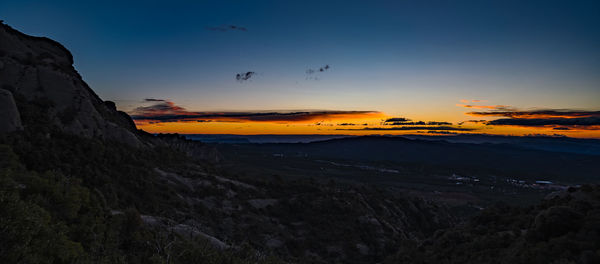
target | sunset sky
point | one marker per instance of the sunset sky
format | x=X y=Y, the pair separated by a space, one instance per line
x=335 y=67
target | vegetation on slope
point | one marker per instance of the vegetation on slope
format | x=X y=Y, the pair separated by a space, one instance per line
x=58 y=193
x=562 y=229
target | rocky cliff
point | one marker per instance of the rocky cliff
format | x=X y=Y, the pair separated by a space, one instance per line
x=40 y=68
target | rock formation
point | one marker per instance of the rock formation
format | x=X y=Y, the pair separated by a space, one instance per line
x=37 y=67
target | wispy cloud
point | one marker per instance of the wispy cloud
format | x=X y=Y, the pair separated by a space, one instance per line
x=244 y=76
x=465 y=101
x=561 y=128
x=481 y=121
x=490 y=107
x=224 y=28
x=312 y=71
x=402 y=121
x=396 y=119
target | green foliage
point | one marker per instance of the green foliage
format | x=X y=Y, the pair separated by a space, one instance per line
x=29 y=234
x=56 y=196
x=565 y=229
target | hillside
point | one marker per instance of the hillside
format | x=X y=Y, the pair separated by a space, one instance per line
x=564 y=228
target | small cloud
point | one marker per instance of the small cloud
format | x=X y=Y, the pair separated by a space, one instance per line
x=311 y=71
x=240 y=77
x=417 y=123
x=436 y=123
x=401 y=121
x=465 y=101
x=396 y=119
x=490 y=107
x=320 y=69
x=224 y=28
x=153 y=100
x=472 y=121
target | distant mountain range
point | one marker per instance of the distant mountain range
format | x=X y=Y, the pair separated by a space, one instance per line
x=259 y=139
x=524 y=159
x=547 y=143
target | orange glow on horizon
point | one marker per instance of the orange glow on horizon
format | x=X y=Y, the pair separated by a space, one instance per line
x=347 y=126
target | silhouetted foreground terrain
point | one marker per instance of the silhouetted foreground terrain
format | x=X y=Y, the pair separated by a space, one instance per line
x=79 y=184
x=564 y=228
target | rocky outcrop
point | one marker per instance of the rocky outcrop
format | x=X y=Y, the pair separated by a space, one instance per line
x=37 y=67
x=9 y=114
x=331 y=223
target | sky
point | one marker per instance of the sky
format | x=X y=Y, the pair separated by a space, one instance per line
x=334 y=67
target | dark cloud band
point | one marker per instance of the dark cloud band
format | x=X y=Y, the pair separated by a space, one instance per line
x=580 y=121
x=539 y=114
x=166 y=111
x=559 y=119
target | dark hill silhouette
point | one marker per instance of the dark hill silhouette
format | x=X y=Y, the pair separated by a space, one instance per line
x=523 y=162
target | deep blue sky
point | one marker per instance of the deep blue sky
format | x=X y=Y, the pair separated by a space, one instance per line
x=401 y=57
